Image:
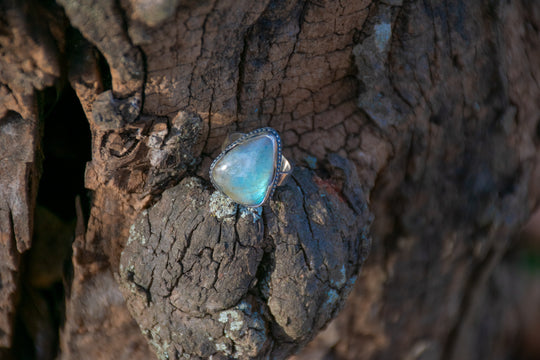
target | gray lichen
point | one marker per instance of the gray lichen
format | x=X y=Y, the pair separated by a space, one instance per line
x=221 y=206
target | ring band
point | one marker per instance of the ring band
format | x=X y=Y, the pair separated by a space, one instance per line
x=250 y=167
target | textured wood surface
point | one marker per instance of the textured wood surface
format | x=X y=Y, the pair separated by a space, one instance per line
x=204 y=277
x=434 y=104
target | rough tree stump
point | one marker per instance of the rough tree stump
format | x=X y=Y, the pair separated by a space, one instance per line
x=422 y=113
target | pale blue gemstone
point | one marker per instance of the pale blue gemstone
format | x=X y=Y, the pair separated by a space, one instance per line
x=246 y=172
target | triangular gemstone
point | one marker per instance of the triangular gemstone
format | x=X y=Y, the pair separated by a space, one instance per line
x=246 y=172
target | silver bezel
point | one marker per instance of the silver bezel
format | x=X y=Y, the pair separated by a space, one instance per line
x=277 y=163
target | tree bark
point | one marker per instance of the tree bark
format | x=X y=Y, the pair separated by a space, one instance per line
x=414 y=124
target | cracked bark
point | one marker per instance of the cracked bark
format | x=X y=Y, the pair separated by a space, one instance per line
x=423 y=113
x=205 y=268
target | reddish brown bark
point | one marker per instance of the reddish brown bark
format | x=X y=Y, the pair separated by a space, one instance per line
x=434 y=103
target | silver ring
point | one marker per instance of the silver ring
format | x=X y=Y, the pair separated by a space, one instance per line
x=250 y=167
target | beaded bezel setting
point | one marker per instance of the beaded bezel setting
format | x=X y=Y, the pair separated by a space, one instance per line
x=269 y=132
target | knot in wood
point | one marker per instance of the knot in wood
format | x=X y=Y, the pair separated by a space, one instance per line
x=242 y=286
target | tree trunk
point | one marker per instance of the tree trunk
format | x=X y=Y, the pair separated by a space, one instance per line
x=412 y=125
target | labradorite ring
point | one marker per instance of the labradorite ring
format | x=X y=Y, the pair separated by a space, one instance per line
x=250 y=167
